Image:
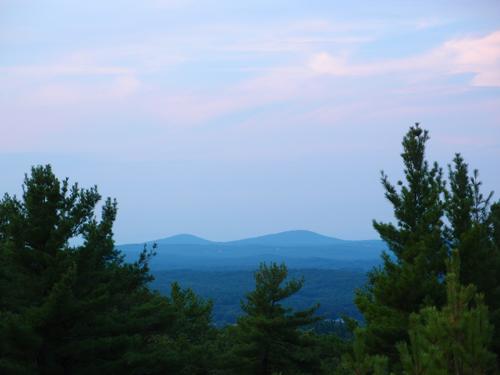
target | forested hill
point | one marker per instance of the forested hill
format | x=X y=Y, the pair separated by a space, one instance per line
x=333 y=289
x=299 y=249
x=223 y=271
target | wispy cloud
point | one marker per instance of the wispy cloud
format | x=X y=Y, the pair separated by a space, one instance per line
x=430 y=22
x=116 y=60
x=185 y=79
x=64 y=70
x=479 y=56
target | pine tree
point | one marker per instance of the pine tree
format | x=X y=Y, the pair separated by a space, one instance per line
x=359 y=362
x=411 y=277
x=81 y=309
x=451 y=340
x=268 y=336
x=469 y=213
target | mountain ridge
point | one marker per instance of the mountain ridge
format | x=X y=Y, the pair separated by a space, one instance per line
x=302 y=249
x=295 y=237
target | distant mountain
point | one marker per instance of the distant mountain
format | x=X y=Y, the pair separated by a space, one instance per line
x=289 y=238
x=183 y=239
x=298 y=249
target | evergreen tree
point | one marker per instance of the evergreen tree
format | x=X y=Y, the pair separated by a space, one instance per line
x=411 y=277
x=359 y=362
x=469 y=214
x=451 y=340
x=268 y=337
x=81 y=309
x=330 y=348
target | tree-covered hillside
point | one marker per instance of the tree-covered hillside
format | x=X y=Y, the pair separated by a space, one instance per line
x=332 y=289
x=298 y=249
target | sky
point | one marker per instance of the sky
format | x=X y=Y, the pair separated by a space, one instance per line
x=229 y=119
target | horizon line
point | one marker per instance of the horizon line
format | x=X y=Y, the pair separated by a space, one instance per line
x=244 y=238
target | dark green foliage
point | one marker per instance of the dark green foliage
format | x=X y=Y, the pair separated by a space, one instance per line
x=411 y=277
x=81 y=309
x=338 y=327
x=185 y=347
x=330 y=348
x=494 y=224
x=268 y=336
x=359 y=362
x=451 y=340
x=492 y=296
x=472 y=233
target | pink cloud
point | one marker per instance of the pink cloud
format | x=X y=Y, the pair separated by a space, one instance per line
x=195 y=107
x=479 y=56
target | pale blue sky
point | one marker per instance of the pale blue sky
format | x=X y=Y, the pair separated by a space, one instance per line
x=229 y=119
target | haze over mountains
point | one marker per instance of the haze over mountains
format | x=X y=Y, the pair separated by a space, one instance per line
x=297 y=248
x=223 y=271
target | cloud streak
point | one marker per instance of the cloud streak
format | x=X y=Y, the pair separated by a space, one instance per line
x=479 y=56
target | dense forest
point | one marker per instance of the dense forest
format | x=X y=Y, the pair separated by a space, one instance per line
x=78 y=307
x=333 y=289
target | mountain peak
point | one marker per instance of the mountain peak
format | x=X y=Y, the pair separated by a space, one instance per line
x=289 y=238
x=183 y=239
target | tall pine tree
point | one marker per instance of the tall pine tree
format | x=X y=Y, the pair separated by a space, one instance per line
x=411 y=276
x=470 y=231
x=80 y=309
